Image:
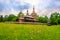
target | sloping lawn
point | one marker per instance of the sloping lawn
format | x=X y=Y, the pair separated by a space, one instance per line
x=29 y=32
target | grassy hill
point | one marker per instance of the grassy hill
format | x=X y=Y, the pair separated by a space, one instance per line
x=29 y=32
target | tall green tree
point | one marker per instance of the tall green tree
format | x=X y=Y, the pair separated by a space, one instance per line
x=1 y=18
x=55 y=19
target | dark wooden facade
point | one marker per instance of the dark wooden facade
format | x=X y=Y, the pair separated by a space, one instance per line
x=28 y=19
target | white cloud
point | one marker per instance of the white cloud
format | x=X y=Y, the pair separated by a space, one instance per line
x=48 y=12
x=32 y=2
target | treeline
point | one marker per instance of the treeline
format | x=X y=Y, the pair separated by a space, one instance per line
x=54 y=18
x=8 y=18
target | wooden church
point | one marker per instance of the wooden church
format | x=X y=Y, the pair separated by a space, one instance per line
x=27 y=17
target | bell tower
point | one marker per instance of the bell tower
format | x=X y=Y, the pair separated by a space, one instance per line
x=20 y=14
x=33 y=9
x=34 y=15
x=27 y=14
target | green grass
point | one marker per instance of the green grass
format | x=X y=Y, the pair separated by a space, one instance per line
x=29 y=32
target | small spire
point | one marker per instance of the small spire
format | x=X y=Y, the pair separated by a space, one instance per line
x=33 y=9
x=27 y=13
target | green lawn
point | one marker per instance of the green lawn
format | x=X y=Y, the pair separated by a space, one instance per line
x=29 y=32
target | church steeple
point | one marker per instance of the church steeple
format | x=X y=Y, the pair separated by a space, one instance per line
x=27 y=14
x=33 y=9
x=33 y=12
x=34 y=15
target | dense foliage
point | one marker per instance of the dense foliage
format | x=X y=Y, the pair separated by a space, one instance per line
x=55 y=18
x=6 y=18
x=43 y=19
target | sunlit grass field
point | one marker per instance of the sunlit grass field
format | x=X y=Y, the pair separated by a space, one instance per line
x=29 y=32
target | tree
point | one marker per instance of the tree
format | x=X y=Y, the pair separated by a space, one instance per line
x=54 y=19
x=59 y=18
x=12 y=17
x=43 y=19
x=1 y=18
x=46 y=19
x=5 y=18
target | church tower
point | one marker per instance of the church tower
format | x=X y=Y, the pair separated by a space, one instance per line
x=33 y=9
x=20 y=17
x=20 y=14
x=34 y=15
x=27 y=14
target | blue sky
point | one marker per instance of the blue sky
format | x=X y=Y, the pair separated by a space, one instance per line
x=26 y=4
x=54 y=4
x=11 y=4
